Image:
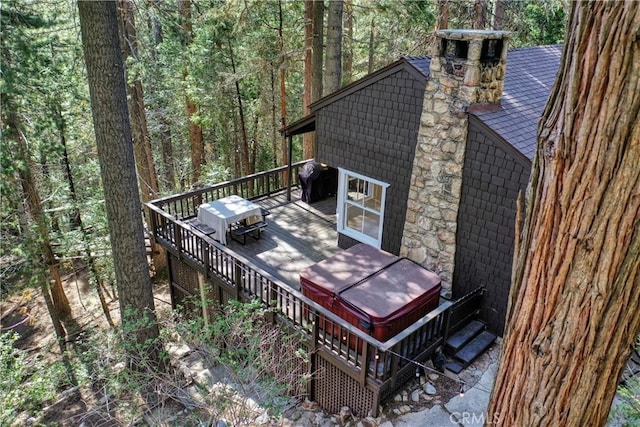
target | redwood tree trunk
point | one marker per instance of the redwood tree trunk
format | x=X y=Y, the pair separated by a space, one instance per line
x=575 y=308
x=107 y=87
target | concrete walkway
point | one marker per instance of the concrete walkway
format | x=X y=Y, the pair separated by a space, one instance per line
x=469 y=409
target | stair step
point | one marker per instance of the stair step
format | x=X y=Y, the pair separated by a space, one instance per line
x=458 y=340
x=475 y=347
x=454 y=367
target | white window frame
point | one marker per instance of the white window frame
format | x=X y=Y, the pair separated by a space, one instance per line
x=343 y=201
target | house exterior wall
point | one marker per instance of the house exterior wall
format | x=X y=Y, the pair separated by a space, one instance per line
x=493 y=174
x=373 y=132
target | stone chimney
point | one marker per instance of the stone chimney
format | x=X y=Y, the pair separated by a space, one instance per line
x=467 y=68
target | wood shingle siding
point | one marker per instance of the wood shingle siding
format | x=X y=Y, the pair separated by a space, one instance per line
x=493 y=175
x=373 y=132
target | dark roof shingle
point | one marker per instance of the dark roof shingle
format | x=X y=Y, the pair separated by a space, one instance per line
x=530 y=75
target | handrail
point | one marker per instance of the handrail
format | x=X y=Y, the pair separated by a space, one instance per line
x=185 y=205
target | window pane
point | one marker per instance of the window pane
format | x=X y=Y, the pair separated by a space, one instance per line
x=371 y=223
x=357 y=189
x=374 y=198
x=354 y=217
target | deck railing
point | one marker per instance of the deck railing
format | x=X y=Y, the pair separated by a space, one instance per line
x=261 y=184
x=366 y=359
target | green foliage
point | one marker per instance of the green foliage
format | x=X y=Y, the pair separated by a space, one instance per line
x=262 y=359
x=626 y=411
x=535 y=23
x=25 y=385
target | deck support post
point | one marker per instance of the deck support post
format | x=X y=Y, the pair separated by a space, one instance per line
x=203 y=297
x=289 y=162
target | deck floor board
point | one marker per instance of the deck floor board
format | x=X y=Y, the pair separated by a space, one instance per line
x=297 y=235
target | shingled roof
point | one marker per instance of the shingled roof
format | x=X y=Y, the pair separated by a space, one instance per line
x=530 y=75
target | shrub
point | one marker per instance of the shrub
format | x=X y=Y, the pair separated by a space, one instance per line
x=20 y=388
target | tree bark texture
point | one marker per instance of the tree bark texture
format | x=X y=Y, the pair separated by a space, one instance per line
x=576 y=310
x=107 y=88
x=333 y=67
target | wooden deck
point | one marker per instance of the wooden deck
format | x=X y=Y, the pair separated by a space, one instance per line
x=298 y=235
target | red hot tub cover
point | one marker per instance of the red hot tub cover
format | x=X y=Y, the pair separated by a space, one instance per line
x=332 y=275
x=373 y=290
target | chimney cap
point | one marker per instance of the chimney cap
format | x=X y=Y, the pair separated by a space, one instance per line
x=472 y=34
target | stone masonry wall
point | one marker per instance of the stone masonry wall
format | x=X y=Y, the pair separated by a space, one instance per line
x=429 y=236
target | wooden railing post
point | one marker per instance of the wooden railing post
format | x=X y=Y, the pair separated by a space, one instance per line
x=238 y=278
x=177 y=235
x=364 y=363
x=395 y=361
x=446 y=323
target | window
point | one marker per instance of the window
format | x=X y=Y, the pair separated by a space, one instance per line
x=361 y=207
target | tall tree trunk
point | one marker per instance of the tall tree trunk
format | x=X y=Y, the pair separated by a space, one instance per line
x=274 y=119
x=497 y=21
x=575 y=306
x=347 y=42
x=317 y=64
x=442 y=22
x=372 y=46
x=479 y=20
x=244 y=142
x=168 y=166
x=54 y=290
x=318 y=50
x=76 y=218
x=147 y=178
x=195 y=130
x=307 y=138
x=107 y=88
x=283 y=86
x=147 y=181
x=334 y=47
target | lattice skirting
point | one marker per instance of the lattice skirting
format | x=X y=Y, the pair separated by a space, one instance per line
x=333 y=389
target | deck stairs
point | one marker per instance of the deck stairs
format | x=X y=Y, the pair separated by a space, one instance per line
x=465 y=345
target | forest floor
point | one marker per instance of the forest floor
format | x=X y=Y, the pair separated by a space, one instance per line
x=25 y=312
